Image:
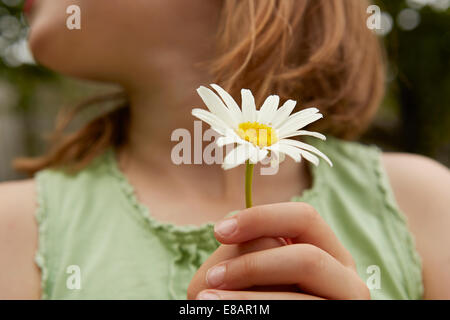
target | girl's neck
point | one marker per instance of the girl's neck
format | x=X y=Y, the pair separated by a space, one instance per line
x=159 y=108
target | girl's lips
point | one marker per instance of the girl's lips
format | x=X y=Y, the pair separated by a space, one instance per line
x=28 y=5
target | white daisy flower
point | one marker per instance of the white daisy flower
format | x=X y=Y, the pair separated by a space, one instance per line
x=258 y=134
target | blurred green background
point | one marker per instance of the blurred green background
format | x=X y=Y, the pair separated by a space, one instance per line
x=414 y=117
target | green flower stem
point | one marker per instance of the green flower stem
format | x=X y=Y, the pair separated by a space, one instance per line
x=248 y=183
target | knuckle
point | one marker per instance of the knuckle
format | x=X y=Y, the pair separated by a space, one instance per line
x=249 y=266
x=309 y=258
x=309 y=213
x=253 y=214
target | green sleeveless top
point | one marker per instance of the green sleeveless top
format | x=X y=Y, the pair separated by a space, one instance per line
x=96 y=241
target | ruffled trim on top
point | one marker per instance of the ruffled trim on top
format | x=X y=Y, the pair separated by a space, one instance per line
x=41 y=253
x=413 y=267
x=190 y=244
x=203 y=235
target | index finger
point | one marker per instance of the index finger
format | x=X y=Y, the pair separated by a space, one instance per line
x=295 y=220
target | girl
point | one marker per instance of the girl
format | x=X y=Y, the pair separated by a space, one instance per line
x=117 y=219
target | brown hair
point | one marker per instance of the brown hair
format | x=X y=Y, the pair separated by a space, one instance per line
x=318 y=52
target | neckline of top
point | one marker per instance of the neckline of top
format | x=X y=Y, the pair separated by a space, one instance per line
x=145 y=214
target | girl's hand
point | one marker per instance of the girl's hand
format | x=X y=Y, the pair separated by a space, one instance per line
x=227 y=252
x=316 y=264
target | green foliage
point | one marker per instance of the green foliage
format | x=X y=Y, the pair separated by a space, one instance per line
x=420 y=61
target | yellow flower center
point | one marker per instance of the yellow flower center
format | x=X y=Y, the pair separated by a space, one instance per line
x=258 y=134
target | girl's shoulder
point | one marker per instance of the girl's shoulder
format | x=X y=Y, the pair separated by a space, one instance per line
x=23 y=205
x=17 y=204
x=416 y=179
x=422 y=190
x=421 y=187
x=20 y=193
x=18 y=240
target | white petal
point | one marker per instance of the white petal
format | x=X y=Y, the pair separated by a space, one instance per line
x=268 y=109
x=305 y=112
x=230 y=102
x=297 y=123
x=229 y=139
x=248 y=106
x=236 y=157
x=216 y=124
x=283 y=113
x=310 y=157
x=304 y=133
x=224 y=141
x=291 y=151
x=257 y=155
x=299 y=115
x=216 y=106
x=307 y=147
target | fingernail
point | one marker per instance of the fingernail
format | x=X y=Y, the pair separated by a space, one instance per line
x=207 y=296
x=226 y=228
x=215 y=276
